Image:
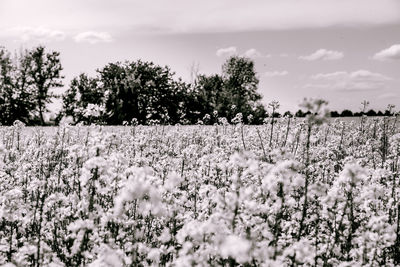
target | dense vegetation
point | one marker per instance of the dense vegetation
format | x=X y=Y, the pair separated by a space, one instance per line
x=134 y=92
x=312 y=192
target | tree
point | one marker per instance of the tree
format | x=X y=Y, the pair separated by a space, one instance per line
x=334 y=114
x=16 y=102
x=23 y=85
x=207 y=96
x=83 y=91
x=371 y=113
x=233 y=92
x=346 y=113
x=259 y=114
x=142 y=91
x=44 y=70
x=288 y=114
x=240 y=82
x=300 y=114
x=6 y=88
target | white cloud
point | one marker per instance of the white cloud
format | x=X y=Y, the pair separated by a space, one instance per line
x=199 y=16
x=329 y=76
x=276 y=73
x=350 y=81
x=323 y=54
x=93 y=37
x=359 y=75
x=254 y=53
x=317 y=86
x=388 y=96
x=226 y=52
x=391 y=53
x=366 y=75
x=39 y=34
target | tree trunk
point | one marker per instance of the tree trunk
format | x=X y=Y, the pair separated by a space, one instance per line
x=41 y=113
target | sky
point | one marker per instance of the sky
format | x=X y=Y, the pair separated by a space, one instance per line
x=344 y=51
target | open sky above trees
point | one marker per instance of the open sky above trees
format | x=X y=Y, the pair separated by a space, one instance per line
x=343 y=51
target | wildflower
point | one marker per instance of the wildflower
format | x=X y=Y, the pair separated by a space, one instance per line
x=236 y=247
x=250 y=118
x=67 y=120
x=108 y=257
x=2 y=148
x=238 y=118
x=173 y=180
x=318 y=113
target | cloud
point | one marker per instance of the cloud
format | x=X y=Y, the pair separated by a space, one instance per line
x=254 y=53
x=329 y=76
x=39 y=34
x=200 y=16
x=369 y=76
x=276 y=73
x=323 y=54
x=388 y=96
x=93 y=37
x=226 y=52
x=349 y=81
x=232 y=50
x=391 y=53
x=360 y=75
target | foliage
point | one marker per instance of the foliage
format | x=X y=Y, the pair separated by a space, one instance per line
x=44 y=70
x=83 y=93
x=234 y=92
x=148 y=94
x=241 y=85
x=25 y=84
x=142 y=91
x=135 y=92
x=16 y=92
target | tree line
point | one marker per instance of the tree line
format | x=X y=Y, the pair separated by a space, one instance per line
x=133 y=92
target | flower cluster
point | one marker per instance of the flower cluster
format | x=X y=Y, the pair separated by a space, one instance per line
x=291 y=192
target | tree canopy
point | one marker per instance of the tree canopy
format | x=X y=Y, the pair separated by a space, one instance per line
x=145 y=93
x=136 y=92
x=25 y=83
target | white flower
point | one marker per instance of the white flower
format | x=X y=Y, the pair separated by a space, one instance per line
x=66 y=120
x=165 y=236
x=108 y=257
x=236 y=247
x=172 y=181
x=154 y=255
x=2 y=148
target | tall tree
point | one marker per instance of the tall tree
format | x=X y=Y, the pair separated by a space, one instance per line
x=45 y=72
x=23 y=85
x=208 y=96
x=6 y=87
x=241 y=84
x=15 y=88
x=142 y=91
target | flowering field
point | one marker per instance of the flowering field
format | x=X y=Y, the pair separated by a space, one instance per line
x=287 y=193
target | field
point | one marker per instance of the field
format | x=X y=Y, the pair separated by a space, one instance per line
x=293 y=192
